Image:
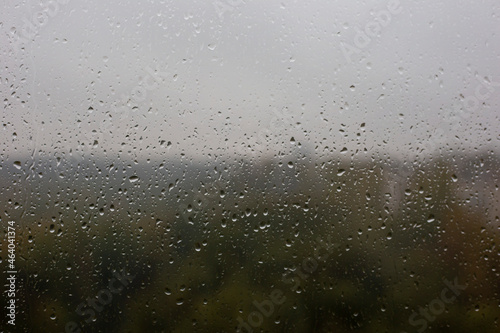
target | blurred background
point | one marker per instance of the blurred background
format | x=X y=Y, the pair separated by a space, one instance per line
x=253 y=165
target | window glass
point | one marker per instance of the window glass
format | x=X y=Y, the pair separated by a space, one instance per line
x=250 y=165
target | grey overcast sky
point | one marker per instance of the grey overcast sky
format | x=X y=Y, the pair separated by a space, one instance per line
x=216 y=75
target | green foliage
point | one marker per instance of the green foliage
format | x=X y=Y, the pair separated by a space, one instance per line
x=200 y=270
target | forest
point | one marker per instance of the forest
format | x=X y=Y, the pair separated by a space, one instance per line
x=288 y=243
